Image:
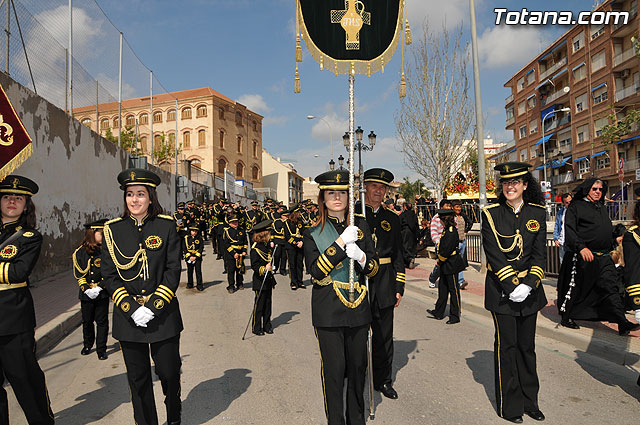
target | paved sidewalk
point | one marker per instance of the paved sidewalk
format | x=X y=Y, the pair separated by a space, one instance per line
x=597 y=338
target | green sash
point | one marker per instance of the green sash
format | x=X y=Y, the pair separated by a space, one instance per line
x=339 y=276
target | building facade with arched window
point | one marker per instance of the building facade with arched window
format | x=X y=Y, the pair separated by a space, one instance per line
x=212 y=128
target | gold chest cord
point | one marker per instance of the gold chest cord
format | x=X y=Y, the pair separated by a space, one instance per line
x=517 y=238
x=139 y=256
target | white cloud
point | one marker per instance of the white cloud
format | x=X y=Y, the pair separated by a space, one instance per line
x=504 y=45
x=437 y=13
x=255 y=102
x=275 y=121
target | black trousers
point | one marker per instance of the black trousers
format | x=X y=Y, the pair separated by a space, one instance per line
x=516 y=377
x=295 y=256
x=262 y=312
x=234 y=275
x=214 y=240
x=19 y=365
x=218 y=233
x=382 y=344
x=197 y=266
x=280 y=258
x=343 y=354
x=95 y=311
x=448 y=286
x=166 y=358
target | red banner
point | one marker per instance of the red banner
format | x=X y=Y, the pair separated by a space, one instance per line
x=15 y=143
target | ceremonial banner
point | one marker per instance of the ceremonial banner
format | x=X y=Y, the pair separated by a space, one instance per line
x=15 y=143
x=350 y=36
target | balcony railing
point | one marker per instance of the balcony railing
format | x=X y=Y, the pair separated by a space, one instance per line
x=553 y=69
x=632 y=14
x=624 y=56
x=562 y=179
x=511 y=120
x=553 y=97
x=626 y=92
x=509 y=99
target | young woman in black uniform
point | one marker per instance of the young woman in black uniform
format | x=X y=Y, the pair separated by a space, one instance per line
x=340 y=323
x=294 y=246
x=263 y=279
x=94 y=301
x=141 y=271
x=20 y=245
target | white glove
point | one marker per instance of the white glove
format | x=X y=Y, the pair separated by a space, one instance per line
x=142 y=316
x=93 y=292
x=638 y=316
x=521 y=293
x=350 y=235
x=354 y=252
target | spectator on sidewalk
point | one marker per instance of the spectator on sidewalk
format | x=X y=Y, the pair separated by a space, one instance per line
x=20 y=244
x=558 y=229
x=463 y=225
x=514 y=241
x=586 y=284
x=436 y=230
x=94 y=301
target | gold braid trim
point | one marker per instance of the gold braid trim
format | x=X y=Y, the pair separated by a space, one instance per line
x=517 y=238
x=77 y=267
x=140 y=254
x=337 y=285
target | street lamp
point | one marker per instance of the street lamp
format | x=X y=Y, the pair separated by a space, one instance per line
x=544 y=150
x=340 y=161
x=332 y=164
x=313 y=117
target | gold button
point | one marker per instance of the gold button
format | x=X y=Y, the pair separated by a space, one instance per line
x=517 y=231
x=143 y=291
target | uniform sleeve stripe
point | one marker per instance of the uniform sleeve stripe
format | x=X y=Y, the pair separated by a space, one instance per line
x=326 y=261
x=636 y=286
x=167 y=290
x=117 y=291
x=162 y=295
x=503 y=269
x=6 y=273
x=504 y=273
x=161 y=291
x=508 y=275
x=120 y=298
x=2 y=274
x=322 y=267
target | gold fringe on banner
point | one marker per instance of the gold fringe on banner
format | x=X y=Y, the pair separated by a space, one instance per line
x=16 y=161
x=296 y=81
x=321 y=63
x=298 y=49
x=407 y=34
x=403 y=86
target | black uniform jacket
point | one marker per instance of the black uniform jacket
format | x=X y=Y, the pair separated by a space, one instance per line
x=17 y=259
x=278 y=233
x=181 y=219
x=326 y=308
x=254 y=217
x=234 y=241
x=125 y=247
x=87 y=271
x=192 y=247
x=587 y=225
x=515 y=246
x=631 y=248
x=386 y=232
x=292 y=234
x=449 y=257
x=260 y=257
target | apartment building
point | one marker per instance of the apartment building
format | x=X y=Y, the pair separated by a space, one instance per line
x=561 y=99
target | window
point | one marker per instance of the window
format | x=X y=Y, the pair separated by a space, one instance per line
x=221 y=139
x=520 y=85
x=116 y=122
x=509 y=113
x=87 y=122
x=598 y=61
x=221 y=113
x=143 y=144
x=622 y=155
x=255 y=126
x=523 y=131
x=578 y=42
x=600 y=95
x=238 y=118
x=222 y=164
x=531 y=102
x=171 y=115
x=172 y=138
x=255 y=173
x=144 y=119
x=564 y=140
x=533 y=126
x=583 y=133
x=255 y=149
x=202 y=141
x=581 y=103
x=580 y=72
x=531 y=77
x=598 y=124
x=186 y=140
x=130 y=121
x=603 y=161
x=521 y=108
x=596 y=31
x=583 y=166
x=186 y=113
x=157 y=141
x=523 y=155
x=104 y=124
x=201 y=111
x=196 y=163
x=157 y=117
x=239 y=142
x=239 y=170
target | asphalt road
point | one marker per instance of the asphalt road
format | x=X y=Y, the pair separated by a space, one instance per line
x=443 y=373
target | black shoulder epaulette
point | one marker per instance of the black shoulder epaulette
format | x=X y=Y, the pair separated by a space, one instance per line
x=114 y=220
x=166 y=217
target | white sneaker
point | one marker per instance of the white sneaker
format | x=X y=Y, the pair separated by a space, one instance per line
x=432 y=284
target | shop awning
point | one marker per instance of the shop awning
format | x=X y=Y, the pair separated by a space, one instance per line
x=544 y=139
x=628 y=140
x=598 y=154
x=598 y=86
x=582 y=158
x=558 y=164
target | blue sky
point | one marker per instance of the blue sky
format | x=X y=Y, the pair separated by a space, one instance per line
x=245 y=49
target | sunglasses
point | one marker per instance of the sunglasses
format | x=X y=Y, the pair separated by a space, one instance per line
x=596 y=189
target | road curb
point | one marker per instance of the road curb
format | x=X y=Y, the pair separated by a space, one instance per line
x=617 y=353
x=53 y=332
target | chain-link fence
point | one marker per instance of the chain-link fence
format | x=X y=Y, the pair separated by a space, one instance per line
x=90 y=79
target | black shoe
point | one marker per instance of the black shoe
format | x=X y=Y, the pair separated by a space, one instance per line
x=569 y=323
x=241 y=286
x=231 y=290
x=388 y=391
x=189 y=286
x=85 y=351
x=434 y=315
x=102 y=356
x=535 y=414
x=453 y=321
x=259 y=333
x=269 y=331
x=463 y=284
x=515 y=419
x=301 y=285
x=294 y=287
x=283 y=272
x=625 y=328
x=200 y=288
x=224 y=272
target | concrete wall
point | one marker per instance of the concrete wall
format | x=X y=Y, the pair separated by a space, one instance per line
x=76 y=170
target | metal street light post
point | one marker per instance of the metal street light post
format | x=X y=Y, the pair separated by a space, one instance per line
x=313 y=117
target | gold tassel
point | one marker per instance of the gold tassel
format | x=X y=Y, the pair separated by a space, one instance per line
x=382 y=64
x=368 y=69
x=352 y=68
x=403 y=86
x=296 y=81
x=407 y=34
x=321 y=63
x=335 y=67
x=298 y=49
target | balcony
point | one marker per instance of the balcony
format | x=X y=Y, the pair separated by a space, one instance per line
x=555 y=96
x=632 y=14
x=511 y=121
x=509 y=99
x=562 y=179
x=632 y=165
x=624 y=56
x=626 y=92
x=553 y=69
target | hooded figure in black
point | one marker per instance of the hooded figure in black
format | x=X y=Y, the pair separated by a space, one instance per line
x=587 y=281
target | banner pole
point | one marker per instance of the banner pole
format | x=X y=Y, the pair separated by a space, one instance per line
x=351 y=183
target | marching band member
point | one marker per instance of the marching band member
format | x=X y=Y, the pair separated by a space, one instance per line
x=261 y=266
x=193 y=248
